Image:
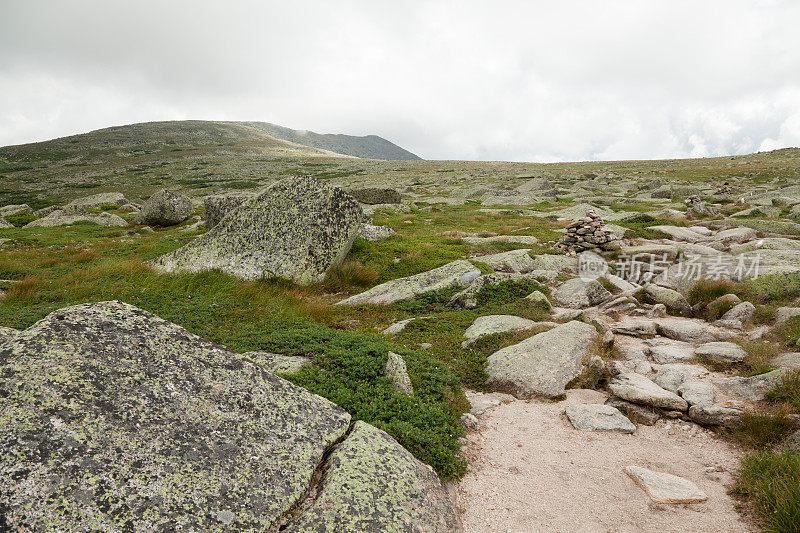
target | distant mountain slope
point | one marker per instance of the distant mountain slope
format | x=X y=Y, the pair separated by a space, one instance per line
x=368 y=147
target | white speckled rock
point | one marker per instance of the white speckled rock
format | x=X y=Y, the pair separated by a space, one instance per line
x=599 y=417
x=721 y=352
x=665 y=488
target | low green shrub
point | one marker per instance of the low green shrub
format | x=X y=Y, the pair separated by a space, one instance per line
x=21 y=219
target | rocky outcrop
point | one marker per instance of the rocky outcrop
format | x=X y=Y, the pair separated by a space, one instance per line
x=468 y=298
x=458 y=273
x=674 y=301
x=115 y=419
x=721 y=352
x=60 y=218
x=638 y=389
x=598 y=417
x=14 y=209
x=577 y=293
x=376 y=195
x=165 y=208
x=296 y=229
x=543 y=364
x=491 y=324
x=665 y=488
x=5 y=224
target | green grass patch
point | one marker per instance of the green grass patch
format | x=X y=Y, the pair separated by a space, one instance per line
x=770 y=481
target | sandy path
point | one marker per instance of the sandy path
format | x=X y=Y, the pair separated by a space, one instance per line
x=530 y=471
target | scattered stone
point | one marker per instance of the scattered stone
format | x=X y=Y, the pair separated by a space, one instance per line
x=788 y=361
x=517 y=261
x=698 y=209
x=375 y=195
x=685 y=330
x=491 y=324
x=638 y=389
x=715 y=415
x=598 y=417
x=395 y=371
x=525 y=240
x=375 y=233
x=742 y=312
x=458 y=273
x=542 y=364
x=665 y=488
x=674 y=301
x=59 y=218
x=577 y=293
x=5 y=224
x=639 y=414
x=95 y=201
x=165 y=208
x=752 y=388
x=636 y=328
x=697 y=393
x=468 y=298
x=540 y=299
x=397 y=327
x=735 y=235
x=669 y=379
x=296 y=229
x=658 y=311
x=784 y=314
x=673 y=352
x=469 y=422
x=721 y=352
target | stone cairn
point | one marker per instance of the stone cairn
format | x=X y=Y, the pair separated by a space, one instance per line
x=697 y=209
x=588 y=233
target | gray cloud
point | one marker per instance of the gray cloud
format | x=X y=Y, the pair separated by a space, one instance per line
x=448 y=80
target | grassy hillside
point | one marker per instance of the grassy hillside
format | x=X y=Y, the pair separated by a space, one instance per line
x=368 y=147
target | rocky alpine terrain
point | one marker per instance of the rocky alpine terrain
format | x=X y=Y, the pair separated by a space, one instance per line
x=329 y=343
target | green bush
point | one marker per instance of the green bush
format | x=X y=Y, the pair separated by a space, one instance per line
x=349 y=372
x=21 y=219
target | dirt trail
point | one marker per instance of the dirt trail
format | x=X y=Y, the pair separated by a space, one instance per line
x=531 y=471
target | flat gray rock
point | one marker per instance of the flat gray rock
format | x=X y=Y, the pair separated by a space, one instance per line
x=686 y=330
x=296 y=229
x=371 y=483
x=639 y=414
x=669 y=379
x=491 y=324
x=681 y=234
x=721 y=352
x=742 y=312
x=277 y=363
x=665 y=488
x=674 y=301
x=752 y=388
x=577 y=293
x=543 y=364
x=784 y=314
x=60 y=218
x=599 y=417
x=715 y=415
x=96 y=201
x=697 y=393
x=638 y=389
x=458 y=273
x=673 y=352
x=518 y=261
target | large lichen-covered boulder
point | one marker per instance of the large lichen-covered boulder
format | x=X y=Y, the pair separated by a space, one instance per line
x=218 y=206
x=543 y=364
x=458 y=273
x=577 y=293
x=371 y=483
x=296 y=229
x=376 y=195
x=14 y=209
x=165 y=208
x=113 y=419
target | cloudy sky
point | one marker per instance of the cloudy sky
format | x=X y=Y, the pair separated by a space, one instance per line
x=502 y=80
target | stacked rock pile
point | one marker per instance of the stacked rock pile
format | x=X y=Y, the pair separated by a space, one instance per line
x=588 y=233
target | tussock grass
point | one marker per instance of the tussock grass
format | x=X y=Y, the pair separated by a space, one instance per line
x=764 y=427
x=787 y=391
x=706 y=290
x=771 y=482
x=758 y=358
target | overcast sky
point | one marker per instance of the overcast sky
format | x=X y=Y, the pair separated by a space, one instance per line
x=501 y=80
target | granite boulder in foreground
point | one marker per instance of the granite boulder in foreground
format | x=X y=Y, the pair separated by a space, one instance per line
x=114 y=419
x=543 y=364
x=295 y=229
